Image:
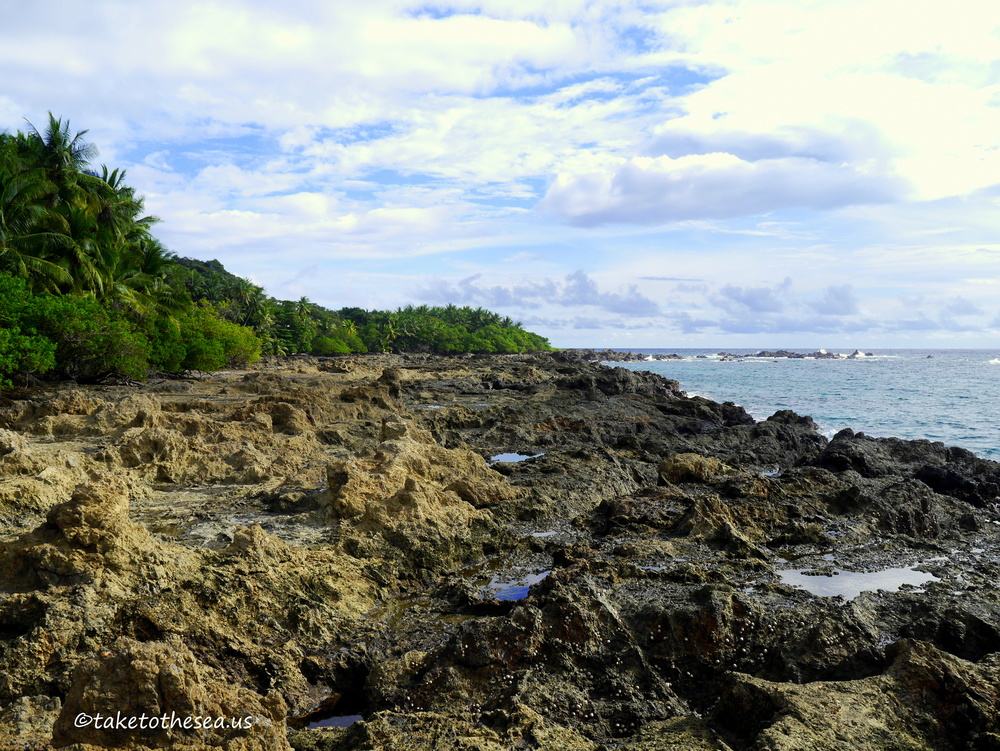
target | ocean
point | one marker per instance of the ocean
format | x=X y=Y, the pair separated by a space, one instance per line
x=948 y=395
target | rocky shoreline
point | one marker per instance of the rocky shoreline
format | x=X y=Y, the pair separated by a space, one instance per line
x=613 y=355
x=487 y=553
x=784 y=354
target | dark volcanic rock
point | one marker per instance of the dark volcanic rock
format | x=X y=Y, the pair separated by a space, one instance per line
x=610 y=355
x=947 y=470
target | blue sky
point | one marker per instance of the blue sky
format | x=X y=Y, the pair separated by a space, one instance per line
x=671 y=174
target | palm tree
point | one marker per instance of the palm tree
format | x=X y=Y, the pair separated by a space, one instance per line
x=25 y=244
x=139 y=280
x=116 y=208
x=62 y=156
x=83 y=256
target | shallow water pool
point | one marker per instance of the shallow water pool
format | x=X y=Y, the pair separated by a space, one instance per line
x=850 y=584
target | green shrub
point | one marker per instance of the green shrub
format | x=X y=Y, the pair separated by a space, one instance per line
x=166 y=344
x=20 y=353
x=90 y=340
x=324 y=346
x=211 y=343
x=22 y=350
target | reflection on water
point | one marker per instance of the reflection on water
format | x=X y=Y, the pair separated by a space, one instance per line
x=513 y=457
x=849 y=584
x=513 y=589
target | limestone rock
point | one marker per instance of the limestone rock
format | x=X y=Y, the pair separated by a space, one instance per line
x=164 y=680
x=11 y=443
x=306 y=539
x=691 y=468
x=27 y=722
x=133 y=411
x=82 y=540
x=417 y=496
x=925 y=700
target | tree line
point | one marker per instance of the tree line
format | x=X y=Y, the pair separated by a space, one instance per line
x=87 y=291
x=302 y=326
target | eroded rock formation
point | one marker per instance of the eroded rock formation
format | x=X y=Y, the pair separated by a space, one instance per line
x=332 y=538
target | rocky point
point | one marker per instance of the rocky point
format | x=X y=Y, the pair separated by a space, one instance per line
x=484 y=553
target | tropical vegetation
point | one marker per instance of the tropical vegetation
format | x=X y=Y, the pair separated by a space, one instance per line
x=302 y=326
x=87 y=291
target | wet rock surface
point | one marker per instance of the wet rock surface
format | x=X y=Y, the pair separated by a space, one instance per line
x=489 y=552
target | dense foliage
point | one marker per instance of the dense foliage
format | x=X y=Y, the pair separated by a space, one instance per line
x=86 y=290
x=445 y=329
x=287 y=327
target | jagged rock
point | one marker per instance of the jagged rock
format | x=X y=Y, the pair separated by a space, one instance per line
x=887 y=711
x=333 y=539
x=362 y=487
x=440 y=731
x=82 y=540
x=164 y=680
x=604 y=382
x=169 y=387
x=426 y=500
x=691 y=468
x=946 y=470
x=204 y=451
x=708 y=518
x=12 y=443
x=27 y=721
x=133 y=411
x=69 y=402
x=678 y=734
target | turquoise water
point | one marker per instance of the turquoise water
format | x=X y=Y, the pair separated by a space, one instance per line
x=952 y=396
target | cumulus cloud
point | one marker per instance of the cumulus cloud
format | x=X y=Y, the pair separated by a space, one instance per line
x=836 y=300
x=961 y=307
x=920 y=322
x=669 y=279
x=576 y=290
x=580 y=289
x=936 y=114
x=739 y=300
x=755 y=324
x=854 y=139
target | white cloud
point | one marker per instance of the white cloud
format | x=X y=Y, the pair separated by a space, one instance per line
x=837 y=300
x=741 y=300
x=961 y=307
x=815 y=65
x=646 y=190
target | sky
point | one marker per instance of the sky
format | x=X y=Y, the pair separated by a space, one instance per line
x=753 y=173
